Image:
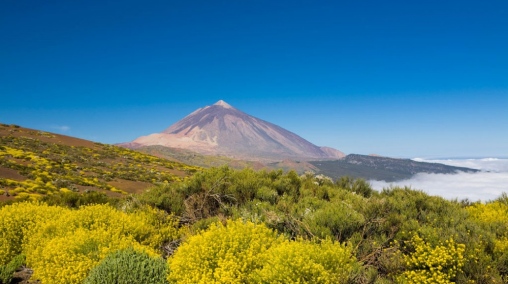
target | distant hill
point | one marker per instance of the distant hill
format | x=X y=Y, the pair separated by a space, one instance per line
x=381 y=168
x=197 y=159
x=221 y=129
x=35 y=163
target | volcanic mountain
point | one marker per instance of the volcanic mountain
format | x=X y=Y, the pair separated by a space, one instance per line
x=221 y=129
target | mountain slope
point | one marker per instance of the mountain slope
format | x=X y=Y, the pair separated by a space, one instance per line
x=221 y=129
x=35 y=163
x=381 y=168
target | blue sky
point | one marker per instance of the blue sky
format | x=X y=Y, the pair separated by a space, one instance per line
x=395 y=78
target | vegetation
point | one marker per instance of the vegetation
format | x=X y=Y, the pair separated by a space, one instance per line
x=62 y=245
x=129 y=266
x=232 y=226
x=38 y=164
x=7 y=270
x=222 y=254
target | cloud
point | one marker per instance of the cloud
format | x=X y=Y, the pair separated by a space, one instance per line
x=486 y=164
x=62 y=128
x=486 y=185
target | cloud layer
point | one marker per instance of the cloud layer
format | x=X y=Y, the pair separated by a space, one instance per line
x=485 y=185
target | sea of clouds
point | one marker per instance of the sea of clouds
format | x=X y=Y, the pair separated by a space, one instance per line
x=488 y=184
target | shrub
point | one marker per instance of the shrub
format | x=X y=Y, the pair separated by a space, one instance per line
x=306 y=262
x=70 y=257
x=129 y=266
x=64 y=247
x=164 y=197
x=7 y=271
x=267 y=194
x=427 y=264
x=75 y=200
x=492 y=216
x=334 y=220
x=221 y=254
x=359 y=186
x=16 y=223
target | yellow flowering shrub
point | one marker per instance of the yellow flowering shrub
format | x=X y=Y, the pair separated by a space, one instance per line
x=492 y=216
x=222 y=254
x=149 y=227
x=70 y=257
x=307 y=262
x=501 y=245
x=427 y=264
x=65 y=249
x=62 y=245
x=16 y=223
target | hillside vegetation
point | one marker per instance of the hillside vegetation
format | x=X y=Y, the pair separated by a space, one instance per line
x=222 y=225
x=244 y=226
x=36 y=163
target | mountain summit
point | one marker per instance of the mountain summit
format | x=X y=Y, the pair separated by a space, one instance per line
x=221 y=129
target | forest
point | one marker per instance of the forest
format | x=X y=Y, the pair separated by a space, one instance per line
x=222 y=225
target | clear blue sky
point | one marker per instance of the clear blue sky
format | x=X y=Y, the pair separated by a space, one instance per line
x=395 y=78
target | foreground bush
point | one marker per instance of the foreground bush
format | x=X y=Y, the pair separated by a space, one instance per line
x=62 y=245
x=129 y=266
x=248 y=253
x=306 y=262
x=17 y=222
x=70 y=257
x=65 y=249
x=222 y=254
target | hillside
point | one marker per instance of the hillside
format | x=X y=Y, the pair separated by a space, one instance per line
x=193 y=158
x=381 y=168
x=35 y=163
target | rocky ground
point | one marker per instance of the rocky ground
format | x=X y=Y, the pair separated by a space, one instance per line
x=22 y=276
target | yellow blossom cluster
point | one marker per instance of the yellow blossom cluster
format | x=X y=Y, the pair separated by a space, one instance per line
x=17 y=222
x=70 y=257
x=62 y=245
x=244 y=252
x=221 y=254
x=303 y=261
x=428 y=264
x=492 y=216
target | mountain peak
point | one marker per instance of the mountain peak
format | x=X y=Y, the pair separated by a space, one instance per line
x=222 y=104
x=221 y=129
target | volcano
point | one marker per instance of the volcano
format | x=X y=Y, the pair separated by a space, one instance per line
x=221 y=129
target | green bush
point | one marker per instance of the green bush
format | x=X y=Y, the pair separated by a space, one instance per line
x=358 y=186
x=164 y=197
x=336 y=220
x=128 y=266
x=75 y=200
x=7 y=271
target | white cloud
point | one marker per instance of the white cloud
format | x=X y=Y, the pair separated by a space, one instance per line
x=62 y=128
x=486 y=164
x=485 y=185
